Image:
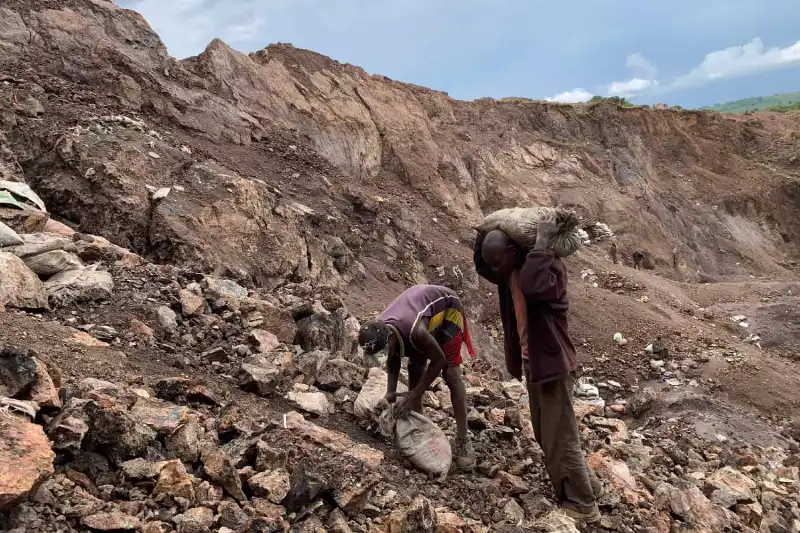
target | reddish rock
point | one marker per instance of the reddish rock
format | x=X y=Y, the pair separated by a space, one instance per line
x=19 y=286
x=84 y=339
x=617 y=473
x=263 y=341
x=163 y=418
x=20 y=439
x=174 y=482
x=140 y=329
x=219 y=469
x=192 y=304
x=44 y=391
x=419 y=517
x=112 y=522
x=691 y=505
x=274 y=486
x=352 y=497
x=333 y=440
x=203 y=515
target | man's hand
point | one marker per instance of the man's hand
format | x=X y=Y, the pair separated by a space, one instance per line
x=545 y=231
x=547 y=226
x=404 y=407
x=385 y=402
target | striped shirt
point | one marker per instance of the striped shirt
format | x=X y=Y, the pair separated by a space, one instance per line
x=440 y=306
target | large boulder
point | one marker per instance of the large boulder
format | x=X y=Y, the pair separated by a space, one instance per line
x=50 y=263
x=334 y=441
x=225 y=291
x=322 y=331
x=728 y=486
x=269 y=317
x=263 y=341
x=113 y=521
x=305 y=485
x=78 y=286
x=17 y=372
x=8 y=237
x=39 y=243
x=162 y=417
x=26 y=459
x=689 y=504
x=310 y=364
x=20 y=287
x=23 y=220
x=192 y=302
x=311 y=402
x=116 y=433
x=173 y=482
x=339 y=372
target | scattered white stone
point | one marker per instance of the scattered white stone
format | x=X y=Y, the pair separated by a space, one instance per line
x=154 y=155
x=311 y=402
x=161 y=193
x=586 y=390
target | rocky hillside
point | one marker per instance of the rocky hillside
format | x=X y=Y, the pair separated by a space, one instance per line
x=724 y=188
x=196 y=241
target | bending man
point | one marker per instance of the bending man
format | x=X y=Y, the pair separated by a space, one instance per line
x=426 y=324
x=533 y=308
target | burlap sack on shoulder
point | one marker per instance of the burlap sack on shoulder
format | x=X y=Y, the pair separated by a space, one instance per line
x=520 y=224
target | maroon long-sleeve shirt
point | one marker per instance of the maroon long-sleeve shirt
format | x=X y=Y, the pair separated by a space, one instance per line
x=543 y=278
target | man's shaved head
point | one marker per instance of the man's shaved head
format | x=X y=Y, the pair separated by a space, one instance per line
x=496 y=239
x=499 y=251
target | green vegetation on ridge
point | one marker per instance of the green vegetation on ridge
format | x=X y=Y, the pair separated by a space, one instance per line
x=776 y=102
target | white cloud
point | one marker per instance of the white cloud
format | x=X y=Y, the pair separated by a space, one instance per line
x=571 y=97
x=644 y=72
x=641 y=66
x=631 y=87
x=247 y=31
x=737 y=61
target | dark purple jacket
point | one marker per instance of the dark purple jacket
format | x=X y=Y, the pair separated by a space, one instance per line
x=551 y=354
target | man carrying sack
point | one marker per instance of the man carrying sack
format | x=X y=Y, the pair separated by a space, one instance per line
x=532 y=287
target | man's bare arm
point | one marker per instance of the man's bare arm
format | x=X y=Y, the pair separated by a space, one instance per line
x=436 y=360
x=393 y=363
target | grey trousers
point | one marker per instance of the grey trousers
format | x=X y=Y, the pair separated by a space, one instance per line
x=556 y=430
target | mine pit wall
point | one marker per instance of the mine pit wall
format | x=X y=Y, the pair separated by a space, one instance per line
x=725 y=187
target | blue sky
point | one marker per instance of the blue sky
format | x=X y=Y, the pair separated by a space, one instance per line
x=682 y=52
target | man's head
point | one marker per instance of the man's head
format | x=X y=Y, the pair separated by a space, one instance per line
x=373 y=336
x=499 y=252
